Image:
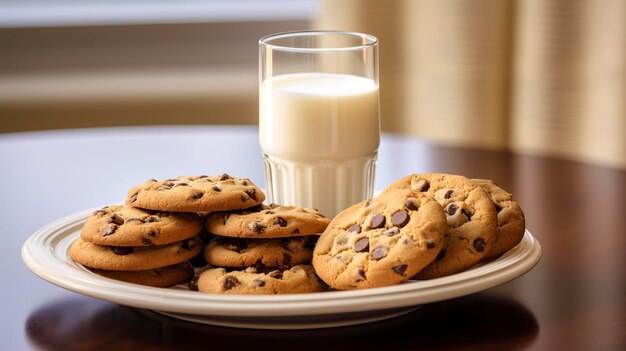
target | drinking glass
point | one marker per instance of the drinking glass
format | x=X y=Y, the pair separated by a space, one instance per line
x=319 y=119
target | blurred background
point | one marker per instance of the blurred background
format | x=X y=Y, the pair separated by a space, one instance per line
x=544 y=77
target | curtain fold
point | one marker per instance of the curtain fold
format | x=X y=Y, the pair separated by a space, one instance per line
x=544 y=77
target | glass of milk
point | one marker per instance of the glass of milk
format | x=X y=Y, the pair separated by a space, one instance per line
x=319 y=119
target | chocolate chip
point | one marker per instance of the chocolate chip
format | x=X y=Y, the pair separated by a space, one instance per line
x=256 y=227
x=244 y=198
x=361 y=272
x=152 y=180
x=224 y=176
x=421 y=185
x=133 y=197
x=410 y=203
x=170 y=184
x=202 y=176
x=269 y=212
x=400 y=218
x=99 y=212
x=268 y=270
x=181 y=184
x=230 y=282
x=296 y=231
x=392 y=231
x=440 y=254
x=280 y=221
x=152 y=233
x=109 y=229
x=251 y=193
x=147 y=242
x=276 y=274
x=362 y=245
x=237 y=245
x=378 y=221
x=379 y=252
x=151 y=219
x=197 y=196
x=116 y=219
x=451 y=209
x=217 y=188
x=368 y=203
x=122 y=250
x=430 y=245
x=258 y=265
x=448 y=194
x=355 y=229
x=244 y=182
x=479 y=244
x=134 y=220
x=259 y=282
x=400 y=269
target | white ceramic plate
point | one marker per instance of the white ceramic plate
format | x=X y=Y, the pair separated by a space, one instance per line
x=46 y=254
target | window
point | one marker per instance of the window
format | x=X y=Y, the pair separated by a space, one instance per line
x=91 y=63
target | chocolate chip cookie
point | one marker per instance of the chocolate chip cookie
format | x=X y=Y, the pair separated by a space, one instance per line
x=128 y=258
x=381 y=241
x=294 y=280
x=159 y=277
x=471 y=218
x=263 y=222
x=196 y=194
x=118 y=225
x=511 y=221
x=235 y=252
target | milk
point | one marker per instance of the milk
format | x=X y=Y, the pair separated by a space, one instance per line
x=320 y=134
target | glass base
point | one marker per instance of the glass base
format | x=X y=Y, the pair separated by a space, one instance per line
x=327 y=185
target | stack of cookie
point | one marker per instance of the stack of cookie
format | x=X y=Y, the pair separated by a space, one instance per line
x=262 y=250
x=150 y=239
x=139 y=246
x=423 y=226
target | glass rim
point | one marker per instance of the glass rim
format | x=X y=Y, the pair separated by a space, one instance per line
x=265 y=41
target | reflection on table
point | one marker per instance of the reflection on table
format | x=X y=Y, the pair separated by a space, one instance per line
x=482 y=320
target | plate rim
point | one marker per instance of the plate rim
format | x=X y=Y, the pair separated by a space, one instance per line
x=43 y=262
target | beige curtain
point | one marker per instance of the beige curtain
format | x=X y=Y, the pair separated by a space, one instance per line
x=536 y=76
x=379 y=18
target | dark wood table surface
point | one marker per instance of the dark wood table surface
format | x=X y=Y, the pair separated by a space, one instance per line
x=574 y=299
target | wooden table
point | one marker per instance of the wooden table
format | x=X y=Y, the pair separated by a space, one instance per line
x=575 y=299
